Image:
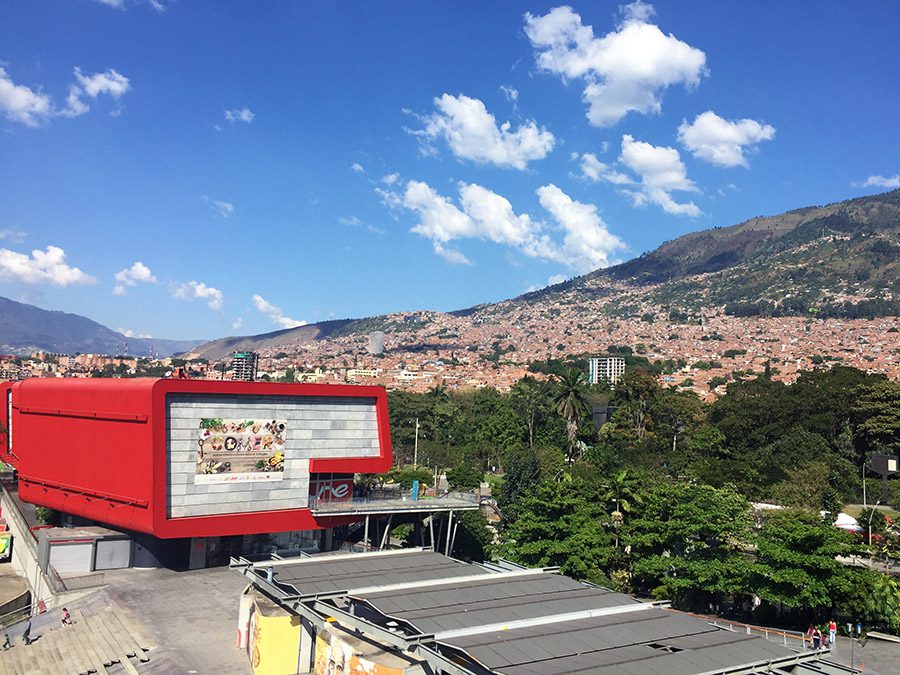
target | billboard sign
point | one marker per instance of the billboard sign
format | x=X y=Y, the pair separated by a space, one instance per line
x=239 y=450
x=331 y=489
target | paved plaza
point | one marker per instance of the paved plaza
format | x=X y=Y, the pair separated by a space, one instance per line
x=192 y=616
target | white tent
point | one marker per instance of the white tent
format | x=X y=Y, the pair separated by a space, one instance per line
x=847 y=522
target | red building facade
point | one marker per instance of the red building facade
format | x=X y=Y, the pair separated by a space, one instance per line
x=178 y=458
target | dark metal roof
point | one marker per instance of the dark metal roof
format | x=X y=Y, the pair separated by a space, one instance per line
x=492 y=600
x=520 y=622
x=644 y=643
x=347 y=572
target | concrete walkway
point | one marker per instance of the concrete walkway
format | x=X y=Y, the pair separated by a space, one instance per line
x=878 y=657
x=191 y=616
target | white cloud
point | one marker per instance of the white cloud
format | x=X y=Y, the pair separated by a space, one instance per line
x=41 y=267
x=720 y=142
x=624 y=71
x=357 y=167
x=22 y=104
x=662 y=172
x=390 y=179
x=194 y=290
x=587 y=243
x=120 y=4
x=224 y=208
x=472 y=133
x=237 y=323
x=451 y=255
x=130 y=276
x=511 y=93
x=552 y=281
x=880 y=181
x=111 y=83
x=243 y=115
x=483 y=214
x=597 y=171
x=12 y=235
x=127 y=332
x=275 y=314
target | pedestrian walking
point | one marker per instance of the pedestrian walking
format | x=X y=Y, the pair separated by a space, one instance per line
x=6 y=643
x=810 y=633
x=26 y=635
x=817 y=638
x=832 y=633
x=66 y=618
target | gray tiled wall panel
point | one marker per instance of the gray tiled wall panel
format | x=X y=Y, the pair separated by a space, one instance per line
x=316 y=427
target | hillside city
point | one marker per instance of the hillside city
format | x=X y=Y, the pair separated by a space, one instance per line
x=496 y=345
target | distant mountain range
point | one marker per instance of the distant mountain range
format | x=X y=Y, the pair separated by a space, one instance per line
x=838 y=260
x=26 y=328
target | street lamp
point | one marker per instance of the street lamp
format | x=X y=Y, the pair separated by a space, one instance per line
x=416 y=446
x=874 y=508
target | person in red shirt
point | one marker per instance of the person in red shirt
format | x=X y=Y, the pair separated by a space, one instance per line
x=832 y=633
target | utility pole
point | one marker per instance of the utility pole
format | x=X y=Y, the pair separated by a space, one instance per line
x=416 y=446
x=864 y=482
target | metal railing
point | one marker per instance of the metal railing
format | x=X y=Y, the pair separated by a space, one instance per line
x=400 y=496
x=14 y=617
x=790 y=638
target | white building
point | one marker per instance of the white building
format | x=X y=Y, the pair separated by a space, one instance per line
x=605 y=369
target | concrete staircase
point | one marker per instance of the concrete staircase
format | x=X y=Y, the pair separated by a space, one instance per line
x=107 y=641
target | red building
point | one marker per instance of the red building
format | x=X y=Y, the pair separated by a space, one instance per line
x=180 y=459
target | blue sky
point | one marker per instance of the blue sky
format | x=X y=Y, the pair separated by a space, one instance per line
x=197 y=169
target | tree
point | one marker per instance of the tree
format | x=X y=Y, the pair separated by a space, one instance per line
x=622 y=493
x=404 y=476
x=796 y=563
x=560 y=524
x=874 y=598
x=876 y=416
x=805 y=487
x=528 y=398
x=686 y=543
x=464 y=477
x=571 y=402
x=634 y=396
x=523 y=471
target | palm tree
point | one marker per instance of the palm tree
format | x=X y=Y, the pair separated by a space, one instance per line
x=571 y=402
x=620 y=492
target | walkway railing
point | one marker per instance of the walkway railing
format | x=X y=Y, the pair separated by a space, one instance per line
x=398 y=497
x=790 y=638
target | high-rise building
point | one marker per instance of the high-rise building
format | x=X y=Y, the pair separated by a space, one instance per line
x=376 y=342
x=605 y=369
x=244 y=365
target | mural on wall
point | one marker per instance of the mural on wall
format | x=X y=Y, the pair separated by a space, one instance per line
x=334 y=655
x=230 y=450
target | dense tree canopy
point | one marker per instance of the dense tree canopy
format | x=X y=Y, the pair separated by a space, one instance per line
x=657 y=500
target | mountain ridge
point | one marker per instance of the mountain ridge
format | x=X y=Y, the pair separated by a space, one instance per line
x=831 y=260
x=25 y=328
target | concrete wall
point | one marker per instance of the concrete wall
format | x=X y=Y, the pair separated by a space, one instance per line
x=25 y=552
x=316 y=428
